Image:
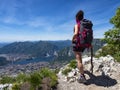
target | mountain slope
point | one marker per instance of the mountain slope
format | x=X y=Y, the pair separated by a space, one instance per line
x=33 y=48
x=58 y=50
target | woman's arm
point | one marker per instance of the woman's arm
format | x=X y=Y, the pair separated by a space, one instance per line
x=75 y=33
x=76 y=29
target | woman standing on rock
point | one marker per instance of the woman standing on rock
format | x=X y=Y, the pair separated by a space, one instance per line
x=78 y=50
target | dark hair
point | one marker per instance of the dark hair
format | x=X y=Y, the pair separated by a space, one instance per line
x=80 y=15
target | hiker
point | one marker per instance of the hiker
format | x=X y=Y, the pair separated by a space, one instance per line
x=79 y=49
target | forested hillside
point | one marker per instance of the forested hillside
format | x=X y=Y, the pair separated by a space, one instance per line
x=52 y=50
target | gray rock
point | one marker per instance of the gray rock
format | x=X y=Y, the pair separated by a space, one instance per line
x=106 y=75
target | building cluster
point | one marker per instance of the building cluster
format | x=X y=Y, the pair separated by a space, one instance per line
x=13 y=70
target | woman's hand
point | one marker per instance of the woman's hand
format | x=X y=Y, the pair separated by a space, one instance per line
x=74 y=39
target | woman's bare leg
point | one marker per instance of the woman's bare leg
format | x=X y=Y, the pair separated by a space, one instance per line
x=79 y=62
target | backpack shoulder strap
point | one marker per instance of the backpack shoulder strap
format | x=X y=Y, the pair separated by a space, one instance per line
x=79 y=27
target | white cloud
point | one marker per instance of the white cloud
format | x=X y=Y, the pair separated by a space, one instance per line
x=99 y=22
x=35 y=37
x=49 y=27
x=99 y=32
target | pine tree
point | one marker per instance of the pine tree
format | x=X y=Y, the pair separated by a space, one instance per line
x=112 y=37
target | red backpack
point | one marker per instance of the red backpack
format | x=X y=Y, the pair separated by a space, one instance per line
x=85 y=34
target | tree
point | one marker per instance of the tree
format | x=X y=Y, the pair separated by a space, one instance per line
x=112 y=37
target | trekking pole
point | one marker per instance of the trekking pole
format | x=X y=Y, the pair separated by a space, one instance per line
x=91 y=69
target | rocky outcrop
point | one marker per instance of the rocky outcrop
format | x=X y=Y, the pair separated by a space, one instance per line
x=5 y=86
x=106 y=75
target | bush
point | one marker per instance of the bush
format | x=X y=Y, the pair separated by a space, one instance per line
x=7 y=79
x=16 y=86
x=105 y=50
x=35 y=80
x=66 y=71
x=45 y=72
x=53 y=79
x=56 y=71
x=73 y=64
x=112 y=37
x=110 y=50
x=117 y=56
x=37 y=77
x=22 y=78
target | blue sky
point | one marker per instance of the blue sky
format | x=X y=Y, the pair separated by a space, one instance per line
x=33 y=20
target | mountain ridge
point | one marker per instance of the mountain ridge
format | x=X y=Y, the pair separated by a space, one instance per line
x=58 y=50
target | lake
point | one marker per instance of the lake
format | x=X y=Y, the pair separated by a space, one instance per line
x=41 y=59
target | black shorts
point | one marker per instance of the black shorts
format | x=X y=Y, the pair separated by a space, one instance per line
x=78 y=49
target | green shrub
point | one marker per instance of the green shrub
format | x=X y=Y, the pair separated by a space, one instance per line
x=45 y=72
x=16 y=86
x=117 y=56
x=110 y=50
x=54 y=79
x=7 y=79
x=73 y=64
x=112 y=37
x=66 y=71
x=56 y=71
x=35 y=79
x=22 y=78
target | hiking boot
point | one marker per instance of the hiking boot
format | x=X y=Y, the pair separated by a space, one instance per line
x=82 y=79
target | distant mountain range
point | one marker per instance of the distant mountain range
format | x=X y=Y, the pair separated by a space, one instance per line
x=58 y=50
x=3 y=44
